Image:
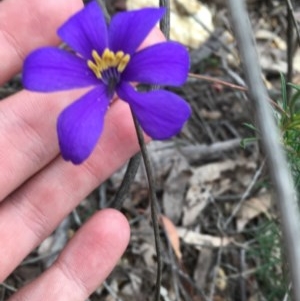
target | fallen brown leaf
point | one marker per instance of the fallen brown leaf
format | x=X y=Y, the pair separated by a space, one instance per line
x=172 y=234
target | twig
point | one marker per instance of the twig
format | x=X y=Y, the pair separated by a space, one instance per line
x=283 y=183
x=184 y=293
x=249 y=272
x=242 y=279
x=184 y=276
x=76 y=217
x=200 y=151
x=102 y=195
x=39 y=258
x=286 y=296
x=289 y=50
x=8 y=287
x=215 y=274
x=111 y=291
x=290 y=8
x=217 y=81
x=60 y=238
x=231 y=85
x=2 y=294
x=245 y=195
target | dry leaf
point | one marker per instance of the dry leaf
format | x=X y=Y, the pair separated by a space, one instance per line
x=203 y=266
x=221 y=279
x=175 y=187
x=252 y=208
x=149 y=253
x=296 y=63
x=164 y=293
x=269 y=36
x=201 y=186
x=173 y=236
x=271 y=49
x=134 y=286
x=211 y=172
x=197 y=198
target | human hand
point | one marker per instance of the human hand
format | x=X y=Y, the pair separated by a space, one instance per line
x=38 y=188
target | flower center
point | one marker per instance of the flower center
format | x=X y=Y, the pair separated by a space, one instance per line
x=108 y=66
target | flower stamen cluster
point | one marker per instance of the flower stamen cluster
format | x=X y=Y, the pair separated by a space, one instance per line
x=109 y=59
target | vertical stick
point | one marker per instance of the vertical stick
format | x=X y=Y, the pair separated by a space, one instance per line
x=283 y=184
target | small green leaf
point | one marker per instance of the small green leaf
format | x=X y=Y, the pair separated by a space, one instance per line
x=296 y=87
x=247 y=141
x=250 y=126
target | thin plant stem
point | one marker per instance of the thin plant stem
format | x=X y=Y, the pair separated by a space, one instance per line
x=128 y=178
x=218 y=81
x=291 y=10
x=233 y=86
x=104 y=10
x=153 y=204
x=134 y=162
x=165 y=21
x=284 y=190
x=290 y=46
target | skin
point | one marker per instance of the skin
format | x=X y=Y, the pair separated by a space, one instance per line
x=38 y=188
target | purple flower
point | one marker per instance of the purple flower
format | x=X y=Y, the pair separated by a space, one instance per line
x=105 y=58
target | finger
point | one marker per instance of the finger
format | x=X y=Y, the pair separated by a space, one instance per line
x=28 y=137
x=32 y=212
x=86 y=261
x=26 y=25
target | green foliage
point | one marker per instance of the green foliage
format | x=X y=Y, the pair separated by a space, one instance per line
x=289 y=124
x=246 y=141
x=271 y=272
x=288 y=120
x=267 y=255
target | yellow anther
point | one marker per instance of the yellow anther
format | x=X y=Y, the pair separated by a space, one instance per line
x=109 y=59
x=123 y=63
x=96 y=57
x=95 y=68
x=118 y=57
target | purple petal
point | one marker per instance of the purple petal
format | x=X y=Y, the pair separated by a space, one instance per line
x=51 y=69
x=163 y=64
x=85 y=31
x=129 y=29
x=80 y=125
x=160 y=113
